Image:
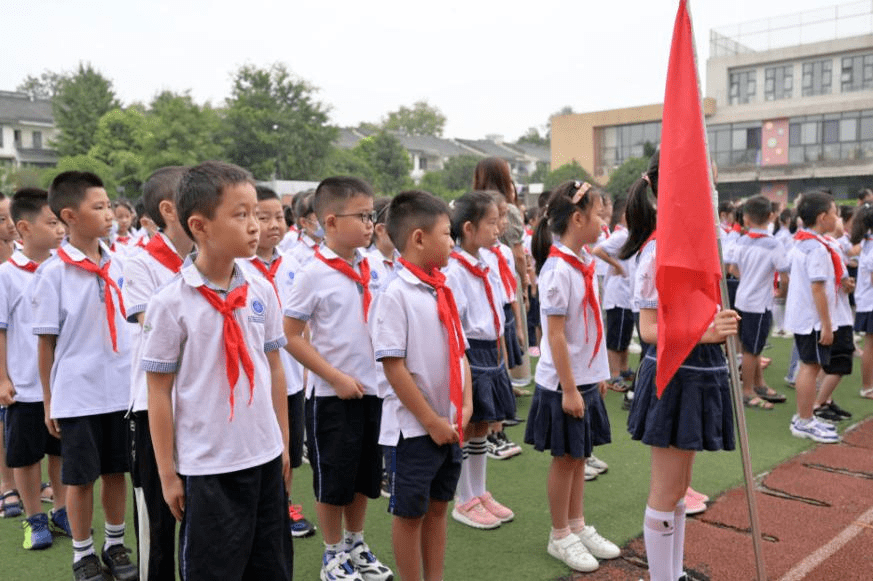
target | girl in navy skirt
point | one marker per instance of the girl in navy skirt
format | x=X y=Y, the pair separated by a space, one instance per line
x=694 y=411
x=862 y=233
x=477 y=294
x=567 y=415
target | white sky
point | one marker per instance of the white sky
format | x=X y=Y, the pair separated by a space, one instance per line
x=490 y=66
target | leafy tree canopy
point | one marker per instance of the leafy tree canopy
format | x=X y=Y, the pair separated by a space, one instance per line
x=389 y=160
x=45 y=86
x=420 y=119
x=81 y=100
x=568 y=171
x=625 y=175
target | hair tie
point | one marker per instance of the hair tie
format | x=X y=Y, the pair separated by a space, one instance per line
x=581 y=191
x=646 y=177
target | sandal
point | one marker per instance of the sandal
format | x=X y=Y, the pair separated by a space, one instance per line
x=10 y=509
x=867 y=393
x=46 y=496
x=616 y=384
x=757 y=402
x=770 y=395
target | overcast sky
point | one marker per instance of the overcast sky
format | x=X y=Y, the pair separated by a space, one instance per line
x=492 y=67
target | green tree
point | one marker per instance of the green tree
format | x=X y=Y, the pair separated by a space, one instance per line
x=389 y=159
x=81 y=100
x=45 y=86
x=347 y=162
x=274 y=125
x=434 y=182
x=118 y=142
x=533 y=137
x=420 y=119
x=458 y=172
x=625 y=175
x=568 y=171
x=83 y=163
x=540 y=173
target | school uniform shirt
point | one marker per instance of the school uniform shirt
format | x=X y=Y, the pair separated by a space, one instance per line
x=728 y=235
x=143 y=276
x=758 y=259
x=842 y=313
x=784 y=236
x=289 y=240
x=404 y=323
x=601 y=267
x=183 y=334
x=87 y=377
x=16 y=317
x=473 y=306
x=284 y=279
x=381 y=269
x=494 y=267
x=810 y=262
x=864 y=284
x=645 y=291
x=616 y=287
x=304 y=250
x=332 y=304
x=562 y=292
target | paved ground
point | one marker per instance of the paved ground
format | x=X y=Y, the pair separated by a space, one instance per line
x=816 y=514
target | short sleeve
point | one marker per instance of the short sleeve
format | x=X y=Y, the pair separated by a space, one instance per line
x=389 y=327
x=645 y=291
x=514 y=226
x=554 y=290
x=5 y=303
x=46 y=302
x=137 y=288
x=301 y=295
x=274 y=334
x=613 y=244
x=162 y=336
x=286 y=276
x=818 y=264
x=781 y=260
x=865 y=261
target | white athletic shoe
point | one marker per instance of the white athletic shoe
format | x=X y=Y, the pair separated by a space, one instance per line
x=597 y=545
x=597 y=464
x=367 y=565
x=572 y=553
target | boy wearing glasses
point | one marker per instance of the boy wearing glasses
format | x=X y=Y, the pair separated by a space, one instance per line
x=332 y=294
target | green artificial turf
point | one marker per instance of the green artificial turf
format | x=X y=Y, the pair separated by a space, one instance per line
x=614 y=503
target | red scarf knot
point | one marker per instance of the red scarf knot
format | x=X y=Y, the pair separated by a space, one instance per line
x=481 y=274
x=506 y=276
x=160 y=251
x=363 y=279
x=269 y=273
x=836 y=261
x=590 y=300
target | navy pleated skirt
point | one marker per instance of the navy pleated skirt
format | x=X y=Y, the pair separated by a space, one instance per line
x=493 y=399
x=549 y=428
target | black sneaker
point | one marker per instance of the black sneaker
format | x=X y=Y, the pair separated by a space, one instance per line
x=826 y=413
x=88 y=569
x=119 y=564
x=838 y=410
x=626 y=400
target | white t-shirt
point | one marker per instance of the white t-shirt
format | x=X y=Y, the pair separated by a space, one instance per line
x=810 y=262
x=381 y=269
x=16 y=317
x=404 y=323
x=332 y=304
x=87 y=378
x=183 y=334
x=472 y=300
x=758 y=259
x=304 y=250
x=616 y=287
x=864 y=284
x=842 y=313
x=562 y=290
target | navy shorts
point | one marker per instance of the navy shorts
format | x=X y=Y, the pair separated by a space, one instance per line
x=754 y=329
x=549 y=428
x=864 y=322
x=842 y=351
x=619 y=328
x=420 y=471
x=344 y=447
x=27 y=438
x=93 y=445
x=810 y=350
x=295 y=428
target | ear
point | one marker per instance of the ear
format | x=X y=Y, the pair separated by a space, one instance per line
x=68 y=215
x=329 y=222
x=167 y=210
x=23 y=227
x=198 y=225
x=468 y=228
x=417 y=238
x=380 y=229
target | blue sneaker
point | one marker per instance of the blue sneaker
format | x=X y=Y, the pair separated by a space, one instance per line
x=367 y=565
x=59 y=524
x=298 y=526
x=36 y=532
x=813 y=430
x=338 y=567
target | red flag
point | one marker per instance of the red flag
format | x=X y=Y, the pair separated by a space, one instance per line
x=687 y=266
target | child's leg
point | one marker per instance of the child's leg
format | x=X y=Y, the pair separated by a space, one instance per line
x=670 y=479
x=679 y=528
x=472 y=480
x=80 y=509
x=60 y=489
x=29 y=480
x=828 y=385
x=614 y=362
x=355 y=514
x=113 y=495
x=330 y=519
x=406 y=538
x=623 y=360
x=7 y=478
x=867 y=362
x=560 y=490
x=749 y=370
x=433 y=540
x=805 y=385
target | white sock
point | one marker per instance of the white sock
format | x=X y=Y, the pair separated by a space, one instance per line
x=558 y=534
x=82 y=549
x=476 y=460
x=351 y=539
x=464 y=490
x=114 y=535
x=678 y=537
x=331 y=550
x=658 y=535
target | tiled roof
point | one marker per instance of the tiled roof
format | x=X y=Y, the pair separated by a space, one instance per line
x=18 y=108
x=494 y=149
x=40 y=156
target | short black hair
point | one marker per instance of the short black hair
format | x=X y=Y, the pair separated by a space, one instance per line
x=126 y=203
x=27 y=203
x=160 y=186
x=758 y=209
x=68 y=189
x=202 y=187
x=727 y=207
x=471 y=207
x=265 y=193
x=812 y=205
x=302 y=204
x=413 y=210
x=334 y=192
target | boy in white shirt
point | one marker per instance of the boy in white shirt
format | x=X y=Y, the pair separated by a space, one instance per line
x=84 y=367
x=418 y=337
x=28 y=438
x=217 y=402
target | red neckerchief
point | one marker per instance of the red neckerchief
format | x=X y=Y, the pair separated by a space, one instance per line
x=605 y=230
x=31 y=266
x=235 y=351
x=448 y=314
x=590 y=300
x=269 y=274
x=835 y=258
x=506 y=276
x=160 y=251
x=344 y=267
x=141 y=242
x=108 y=285
x=756 y=235
x=481 y=274
x=123 y=239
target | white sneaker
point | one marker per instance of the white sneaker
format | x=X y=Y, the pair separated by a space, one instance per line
x=367 y=565
x=597 y=545
x=597 y=464
x=590 y=473
x=339 y=568
x=813 y=430
x=572 y=553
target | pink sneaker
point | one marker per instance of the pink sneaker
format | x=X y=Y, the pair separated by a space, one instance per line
x=495 y=508
x=694 y=494
x=534 y=351
x=694 y=505
x=473 y=514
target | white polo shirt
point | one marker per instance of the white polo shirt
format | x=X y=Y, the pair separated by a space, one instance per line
x=469 y=291
x=494 y=267
x=304 y=250
x=616 y=287
x=758 y=259
x=143 y=276
x=864 y=283
x=842 y=313
x=562 y=290
x=87 y=378
x=183 y=334
x=16 y=317
x=284 y=279
x=810 y=262
x=332 y=304
x=404 y=323
x=381 y=269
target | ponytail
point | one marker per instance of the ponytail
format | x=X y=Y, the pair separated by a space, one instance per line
x=862 y=223
x=556 y=216
x=640 y=213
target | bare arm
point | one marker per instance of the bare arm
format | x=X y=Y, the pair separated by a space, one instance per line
x=820 y=299
x=7 y=390
x=439 y=428
x=602 y=255
x=280 y=406
x=45 y=355
x=346 y=387
x=723 y=325
x=161 y=426
x=571 y=400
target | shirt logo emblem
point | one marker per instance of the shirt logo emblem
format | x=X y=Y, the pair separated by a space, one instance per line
x=258 y=307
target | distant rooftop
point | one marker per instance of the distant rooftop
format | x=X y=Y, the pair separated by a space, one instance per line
x=821 y=24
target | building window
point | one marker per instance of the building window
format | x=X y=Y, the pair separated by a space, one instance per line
x=846 y=136
x=422 y=163
x=37 y=139
x=1 y=137
x=816 y=78
x=16 y=137
x=742 y=87
x=778 y=82
x=737 y=144
x=857 y=73
x=622 y=142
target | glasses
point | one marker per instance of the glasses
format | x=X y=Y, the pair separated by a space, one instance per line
x=362 y=216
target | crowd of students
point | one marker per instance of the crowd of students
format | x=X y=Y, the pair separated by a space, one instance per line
x=211 y=350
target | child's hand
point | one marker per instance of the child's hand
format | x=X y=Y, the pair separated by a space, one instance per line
x=442 y=432
x=601 y=387
x=174 y=495
x=53 y=427
x=347 y=387
x=848 y=284
x=286 y=470
x=827 y=337
x=726 y=323
x=572 y=403
x=7 y=392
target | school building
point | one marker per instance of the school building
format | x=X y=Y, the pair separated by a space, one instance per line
x=788 y=105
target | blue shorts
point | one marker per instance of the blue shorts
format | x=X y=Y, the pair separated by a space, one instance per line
x=754 y=329
x=619 y=328
x=864 y=322
x=420 y=471
x=811 y=351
